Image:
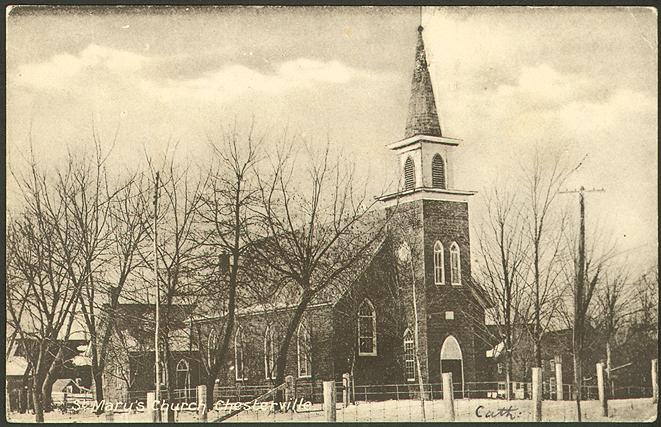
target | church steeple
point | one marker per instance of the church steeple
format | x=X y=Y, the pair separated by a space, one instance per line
x=426 y=157
x=422 y=118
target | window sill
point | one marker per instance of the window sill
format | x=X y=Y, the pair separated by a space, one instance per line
x=305 y=376
x=410 y=380
x=367 y=354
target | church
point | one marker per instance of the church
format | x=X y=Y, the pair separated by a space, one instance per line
x=416 y=288
x=415 y=293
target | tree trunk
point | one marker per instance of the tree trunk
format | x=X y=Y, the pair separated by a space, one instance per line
x=98 y=387
x=508 y=374
x=46 y=398
x=609 y=365
x=47 y=385
x=578 y=382
x=211 y=383
x=171 y=387
x=38 y=401
x=538 y=326
x=291 y=328
x=219 y=357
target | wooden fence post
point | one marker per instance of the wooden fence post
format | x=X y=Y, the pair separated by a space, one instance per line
x=346 y=389
x=329 y=401
x=448 y=394
x=558 y=381
x=537 y=392
x=603 y=400
x=202 y=408
x=655 y=380
x=110 y=418
x=151 y=406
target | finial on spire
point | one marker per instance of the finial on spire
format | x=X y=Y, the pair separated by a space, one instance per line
x=420 y=28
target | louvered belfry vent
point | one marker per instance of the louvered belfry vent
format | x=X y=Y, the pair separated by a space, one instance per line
x=438 y=172
x=409 y=174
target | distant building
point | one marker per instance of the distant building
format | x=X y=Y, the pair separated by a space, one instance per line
x=19 y=374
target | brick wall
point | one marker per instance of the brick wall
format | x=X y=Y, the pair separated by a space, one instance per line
x=319 y=320
x=447 y=222
x=380 y=284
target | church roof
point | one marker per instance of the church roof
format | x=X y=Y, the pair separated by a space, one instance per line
x=422 y=118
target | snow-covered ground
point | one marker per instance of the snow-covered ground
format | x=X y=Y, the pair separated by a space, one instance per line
x=474 y=410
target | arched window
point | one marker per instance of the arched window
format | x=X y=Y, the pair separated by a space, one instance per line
x=439 y=264
x=212 y=341
x=455 y=264
x=409 y=174
x=409 y=355
x=303 y=350
x=183 y=377
x=239 y=368
x=269 y=353
x=366 y=329
x=438 y=172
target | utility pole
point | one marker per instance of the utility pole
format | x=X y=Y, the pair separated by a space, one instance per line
x=579 y=286
x=158 y=297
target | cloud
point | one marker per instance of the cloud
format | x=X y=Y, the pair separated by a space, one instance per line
x=62 y=69
x=100 y=66
x=232 y=80
x=542 y=86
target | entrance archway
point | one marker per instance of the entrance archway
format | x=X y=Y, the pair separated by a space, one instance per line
x=452 y=361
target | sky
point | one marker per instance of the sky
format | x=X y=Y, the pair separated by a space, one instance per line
x=507 y=81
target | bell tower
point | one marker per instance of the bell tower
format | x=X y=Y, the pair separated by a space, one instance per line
x=426 y=164
x=430 y=216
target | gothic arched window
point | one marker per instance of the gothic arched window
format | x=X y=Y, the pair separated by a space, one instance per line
x=409 y=174
x=269 y=353
x=409 y=355
x=366 y=329
x=303 y=350
x=455 y=264
x=439 y=264
x=239 y=368
x=438 y=172
x=183 y=377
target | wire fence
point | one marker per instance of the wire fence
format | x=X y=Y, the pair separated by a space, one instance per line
x=473 y=402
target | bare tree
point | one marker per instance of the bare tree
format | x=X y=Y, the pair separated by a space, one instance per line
x=503 y=252
x=583 y=276
x=180 y=258
x=42 y=294
x=647 y=292
x=543 y=178
x=107 y=223
x=313 y=234
x=127 y=221
x=614 y=300
x=227 y=211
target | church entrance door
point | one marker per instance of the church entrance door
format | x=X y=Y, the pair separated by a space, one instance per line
x=452 y=361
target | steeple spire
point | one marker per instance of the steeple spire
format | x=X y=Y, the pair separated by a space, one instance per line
x=422 y=118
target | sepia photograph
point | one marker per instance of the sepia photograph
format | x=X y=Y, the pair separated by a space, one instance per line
x=331 y=214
